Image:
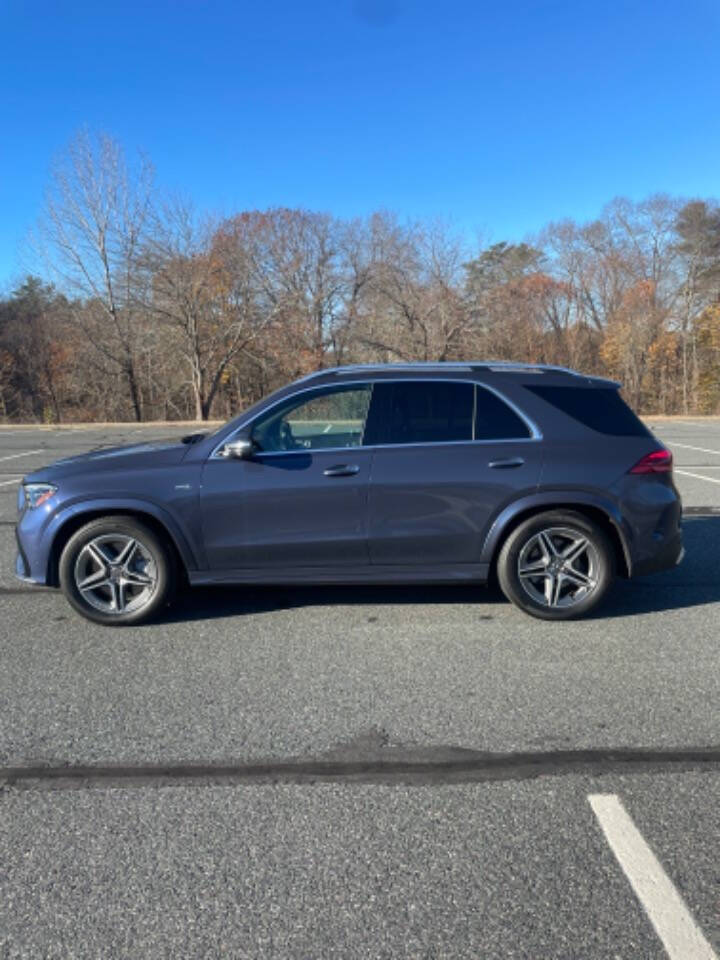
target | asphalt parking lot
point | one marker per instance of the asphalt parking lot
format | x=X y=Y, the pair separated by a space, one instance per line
x=405 y=772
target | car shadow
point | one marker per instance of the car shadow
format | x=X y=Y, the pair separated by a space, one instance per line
x=696 y=582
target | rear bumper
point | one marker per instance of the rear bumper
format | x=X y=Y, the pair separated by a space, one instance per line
x=669 y=555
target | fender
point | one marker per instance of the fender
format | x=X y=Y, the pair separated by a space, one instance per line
x=556 y=498
x=181 y=538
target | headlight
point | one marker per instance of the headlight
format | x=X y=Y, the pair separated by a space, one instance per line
x=37 y=493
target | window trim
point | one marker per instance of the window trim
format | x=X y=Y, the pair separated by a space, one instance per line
x=535 y=432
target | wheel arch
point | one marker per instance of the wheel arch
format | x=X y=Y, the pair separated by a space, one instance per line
x=161 y=526
x=604 y=515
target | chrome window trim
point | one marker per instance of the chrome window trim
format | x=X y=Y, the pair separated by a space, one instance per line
x=535 y=432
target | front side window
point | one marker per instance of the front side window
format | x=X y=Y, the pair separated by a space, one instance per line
x=325 y=418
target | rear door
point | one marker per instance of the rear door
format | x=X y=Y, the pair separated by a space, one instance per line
x=449 y=455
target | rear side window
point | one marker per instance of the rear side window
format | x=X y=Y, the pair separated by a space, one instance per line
x=440 y=412
x=423 y=412
x=601 y=409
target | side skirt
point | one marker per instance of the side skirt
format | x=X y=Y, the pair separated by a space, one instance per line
x=386 y=573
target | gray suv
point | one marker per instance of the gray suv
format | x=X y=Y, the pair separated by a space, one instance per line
x=417 y=473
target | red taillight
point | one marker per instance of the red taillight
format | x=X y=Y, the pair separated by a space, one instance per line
x=659 y=461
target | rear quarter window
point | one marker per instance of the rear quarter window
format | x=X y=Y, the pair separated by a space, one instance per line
x=601 y=409
x=494 y=420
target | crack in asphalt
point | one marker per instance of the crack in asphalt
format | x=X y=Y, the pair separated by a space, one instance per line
x=393 y=765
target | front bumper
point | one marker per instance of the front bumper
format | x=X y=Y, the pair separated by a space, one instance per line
x=22 y=566
x=30 y=564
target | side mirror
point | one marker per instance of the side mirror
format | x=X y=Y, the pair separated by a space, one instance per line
x=238 y=449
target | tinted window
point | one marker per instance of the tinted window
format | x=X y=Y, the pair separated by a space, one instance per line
x=322 y=419
x=598 y=408
x=495 y=420
x=422 y=412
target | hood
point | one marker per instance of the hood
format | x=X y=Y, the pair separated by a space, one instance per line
x=134 y=457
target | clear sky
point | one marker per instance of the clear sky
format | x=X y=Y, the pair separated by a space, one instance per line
x=499 y=116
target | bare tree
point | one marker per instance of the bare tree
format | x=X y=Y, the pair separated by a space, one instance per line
x=94 y=226
x=414 y=308
x=697 y=243
x=207 y=284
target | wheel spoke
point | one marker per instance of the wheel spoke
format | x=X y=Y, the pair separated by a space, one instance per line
x=86 y=587
x=552 y=589
x=136 y=579
x=535 y=568
x=118 y=600
x=98 y=555
x=94 y=580
x=575 y=550
x=577 y=578
x=125 y=556
x=546 y=545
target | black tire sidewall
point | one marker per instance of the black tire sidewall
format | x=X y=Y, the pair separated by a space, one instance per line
x=162 y=555
x=510 y=551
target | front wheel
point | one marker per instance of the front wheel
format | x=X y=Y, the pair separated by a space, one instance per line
x=116 y=570
x=556 y=565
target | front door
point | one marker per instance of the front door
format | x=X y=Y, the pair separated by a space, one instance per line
x=301 y=499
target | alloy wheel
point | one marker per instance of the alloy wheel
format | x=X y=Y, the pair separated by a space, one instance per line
x=116 y=573
x=558 y=567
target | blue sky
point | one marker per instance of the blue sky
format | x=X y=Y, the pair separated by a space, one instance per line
x=498 y=116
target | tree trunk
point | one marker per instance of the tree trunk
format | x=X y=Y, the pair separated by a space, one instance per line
x=134 y=391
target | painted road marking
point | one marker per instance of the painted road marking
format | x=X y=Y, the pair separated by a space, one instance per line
x=6 y=483
x=697 y=476
x=687 y=446
x=27 y=453
x=666 y=909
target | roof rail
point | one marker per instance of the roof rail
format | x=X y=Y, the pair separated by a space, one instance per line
x=494 y=366
x=422 y=364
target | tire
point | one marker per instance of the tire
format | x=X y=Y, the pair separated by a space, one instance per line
x=545 y=570
x=116 y=571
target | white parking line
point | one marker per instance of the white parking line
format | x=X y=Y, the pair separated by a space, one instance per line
x=666 y=909
x=27 y=453
x=6 y=483
x=687 y=446
x=697 y=476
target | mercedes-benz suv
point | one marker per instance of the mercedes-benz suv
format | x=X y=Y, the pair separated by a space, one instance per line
x=417 y=473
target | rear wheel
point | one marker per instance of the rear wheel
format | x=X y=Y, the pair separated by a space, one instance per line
x=115 y=570
x=556 y=565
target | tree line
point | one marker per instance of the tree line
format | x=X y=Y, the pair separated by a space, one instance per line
x=148 y=310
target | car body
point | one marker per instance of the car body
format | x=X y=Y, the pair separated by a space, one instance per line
x=372 y=473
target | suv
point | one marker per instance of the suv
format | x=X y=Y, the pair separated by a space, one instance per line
x=413 y=473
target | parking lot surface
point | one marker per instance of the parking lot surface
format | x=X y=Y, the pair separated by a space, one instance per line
x=407 y=771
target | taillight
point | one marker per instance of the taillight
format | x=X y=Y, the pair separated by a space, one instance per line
x=659 y=461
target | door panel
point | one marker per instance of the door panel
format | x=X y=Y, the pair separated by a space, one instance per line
x=298 y=501
x=282 y=510
x=433 y=503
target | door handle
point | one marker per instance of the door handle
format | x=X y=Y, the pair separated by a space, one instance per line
x=342 y=470
x=506 y=464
